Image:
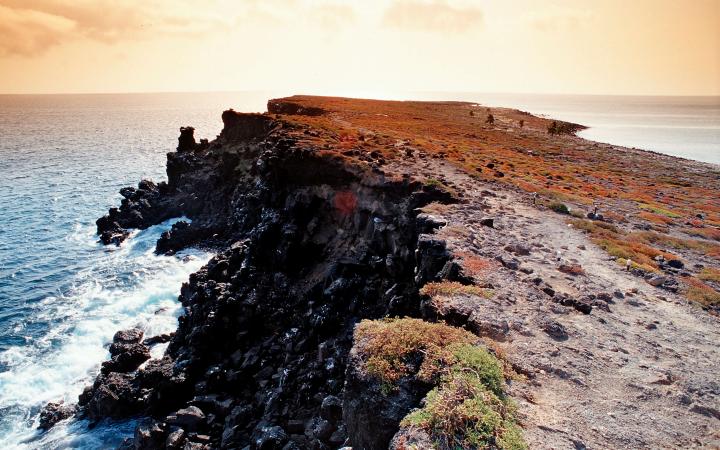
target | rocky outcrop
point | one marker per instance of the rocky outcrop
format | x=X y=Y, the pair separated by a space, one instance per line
x=127 y=351
x=54 y=412
x=285 y=106
x=308 y=243
x=372 y=415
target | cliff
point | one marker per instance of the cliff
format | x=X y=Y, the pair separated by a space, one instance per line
x=328 y=215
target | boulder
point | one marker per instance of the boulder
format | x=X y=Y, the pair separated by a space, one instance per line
x=518 y=249
x=149 y=435
x=53 y=413
x=656 y=280
x=175 y=439
x=331 y=409
x=191 y=418
x=488 y=222
x=555 y=330
x=487 y=326
x=128 y=352
x=131 y=336
x=115 y=395
x=127 y=359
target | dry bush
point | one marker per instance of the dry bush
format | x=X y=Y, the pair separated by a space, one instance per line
x=467 y=408
x=474 y=265
x=706 y=233
x=710 y=274
x=436 y=208
x=700 y=292
x=456 y=231
x=656 y=218
x=387 y=344
x=450 y=288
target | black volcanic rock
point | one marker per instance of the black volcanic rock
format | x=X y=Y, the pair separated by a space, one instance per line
x=306 y=245
x=283 y=106
x=115 y=395
x=53 y=413
x=186 y=141
x=127 y=359
x=371 y=414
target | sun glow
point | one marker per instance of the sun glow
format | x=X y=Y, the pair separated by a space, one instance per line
x=362 y=48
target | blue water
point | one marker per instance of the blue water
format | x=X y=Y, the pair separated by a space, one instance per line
x=62 y=295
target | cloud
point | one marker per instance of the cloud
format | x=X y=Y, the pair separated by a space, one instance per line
x=31 y=27
x=27 y=32
x=436 y=16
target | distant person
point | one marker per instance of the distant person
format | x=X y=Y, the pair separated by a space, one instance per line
x=490 y=119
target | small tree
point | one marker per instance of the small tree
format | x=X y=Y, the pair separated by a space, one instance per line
x=490 y=119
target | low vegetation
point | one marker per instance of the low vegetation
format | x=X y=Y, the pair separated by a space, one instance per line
x=474 y=265
x=450 y=288
x=438 y=184
x=705 y=233
x=569 y=175
x=659 y=210
x=467 y=408
x=623 y=246
x=710 y=274
x=700 y=292
x=560 y=208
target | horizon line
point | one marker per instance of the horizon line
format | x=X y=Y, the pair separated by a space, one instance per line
x=346 y=95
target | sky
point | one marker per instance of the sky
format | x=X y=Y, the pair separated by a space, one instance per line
x=354 y=47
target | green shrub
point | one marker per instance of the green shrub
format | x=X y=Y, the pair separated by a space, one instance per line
x=559 y=208
x=467 y=408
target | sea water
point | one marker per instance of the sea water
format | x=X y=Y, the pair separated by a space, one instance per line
x=63 y=295
x=64 y=158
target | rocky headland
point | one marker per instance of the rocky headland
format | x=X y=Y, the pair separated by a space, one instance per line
x=422 y=275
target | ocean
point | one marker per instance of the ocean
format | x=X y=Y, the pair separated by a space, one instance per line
x=64 y=158
x=688 y=127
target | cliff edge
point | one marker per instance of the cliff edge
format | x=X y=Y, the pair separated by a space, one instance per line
x=427 y=275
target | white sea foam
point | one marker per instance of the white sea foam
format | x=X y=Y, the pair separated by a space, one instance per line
x=129 y=287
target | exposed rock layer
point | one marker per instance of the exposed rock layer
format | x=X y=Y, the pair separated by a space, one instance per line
x=307 y=245
x=314 y=227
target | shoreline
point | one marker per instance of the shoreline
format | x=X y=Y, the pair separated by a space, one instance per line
x=541 y=105
x=314 y=165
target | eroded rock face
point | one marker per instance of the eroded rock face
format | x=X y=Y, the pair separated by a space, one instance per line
x=307 y=246
x=372 y=415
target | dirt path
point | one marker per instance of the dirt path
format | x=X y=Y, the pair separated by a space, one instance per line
x=639 y=371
